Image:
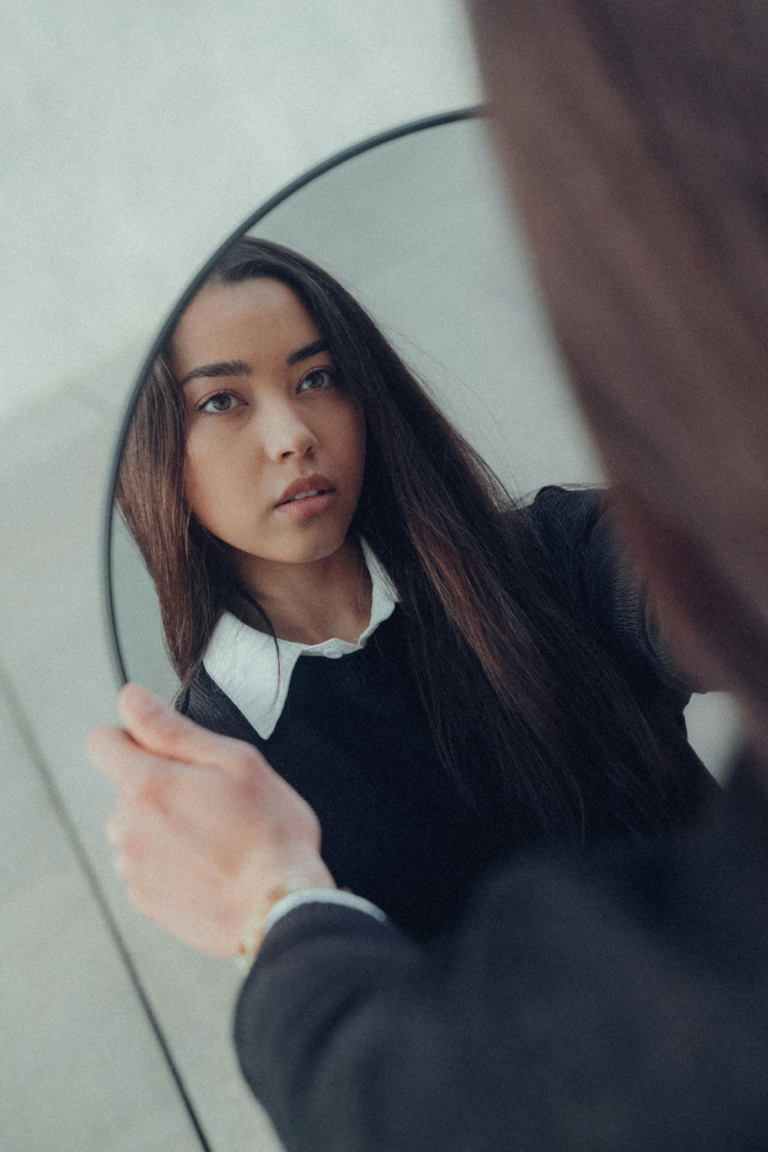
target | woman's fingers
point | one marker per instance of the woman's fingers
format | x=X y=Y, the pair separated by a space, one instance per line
x=205 y=783
x=161 y=730
x=131 y=769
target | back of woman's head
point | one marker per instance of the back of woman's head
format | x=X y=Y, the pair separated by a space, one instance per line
x=637 y=138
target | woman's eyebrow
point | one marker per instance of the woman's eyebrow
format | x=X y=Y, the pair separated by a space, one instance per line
x=224 y=368
x=307 y=351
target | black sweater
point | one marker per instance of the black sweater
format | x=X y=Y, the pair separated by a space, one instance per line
x=354 y=741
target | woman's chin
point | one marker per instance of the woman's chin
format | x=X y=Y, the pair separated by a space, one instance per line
x=313 y=543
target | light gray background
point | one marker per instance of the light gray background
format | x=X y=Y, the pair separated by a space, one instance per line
x=135 y=135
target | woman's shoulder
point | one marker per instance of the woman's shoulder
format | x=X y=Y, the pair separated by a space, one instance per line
x=565 y=517
x=564 y=521
x=577 y=528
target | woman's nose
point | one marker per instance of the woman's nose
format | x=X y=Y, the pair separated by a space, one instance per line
x=286 y=434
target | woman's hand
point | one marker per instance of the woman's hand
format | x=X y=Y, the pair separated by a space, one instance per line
x=206 y=831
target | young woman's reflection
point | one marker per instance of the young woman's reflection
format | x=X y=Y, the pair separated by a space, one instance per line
x=491 y=675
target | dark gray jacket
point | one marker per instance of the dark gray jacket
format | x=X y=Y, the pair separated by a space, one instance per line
x=608 y=1000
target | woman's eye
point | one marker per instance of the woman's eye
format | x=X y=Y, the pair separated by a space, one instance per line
x=319 y=378
x=221 y=402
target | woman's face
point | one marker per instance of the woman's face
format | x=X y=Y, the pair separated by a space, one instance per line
x=275 y=442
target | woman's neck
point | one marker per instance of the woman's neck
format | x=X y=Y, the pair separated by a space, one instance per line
x=313 y=602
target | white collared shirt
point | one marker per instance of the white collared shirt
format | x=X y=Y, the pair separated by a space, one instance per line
x=244 y=662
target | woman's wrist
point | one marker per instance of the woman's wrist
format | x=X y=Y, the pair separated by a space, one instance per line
x=253 y=930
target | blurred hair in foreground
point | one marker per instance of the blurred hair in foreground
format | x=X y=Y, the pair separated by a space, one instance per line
x=636 y=135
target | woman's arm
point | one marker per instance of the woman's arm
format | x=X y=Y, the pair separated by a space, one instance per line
x=587 y=1000
x=580 y=1005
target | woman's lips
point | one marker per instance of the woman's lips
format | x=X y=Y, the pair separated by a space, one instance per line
x=302 y=484
x=307 y=506
x=296 y=505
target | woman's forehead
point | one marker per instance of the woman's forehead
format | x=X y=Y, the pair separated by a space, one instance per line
x=252 y=317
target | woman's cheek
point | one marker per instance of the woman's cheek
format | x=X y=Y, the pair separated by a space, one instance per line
x=210 y=487
x=353 y=446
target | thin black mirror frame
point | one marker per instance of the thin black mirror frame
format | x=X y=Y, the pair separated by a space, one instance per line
x=107 y=598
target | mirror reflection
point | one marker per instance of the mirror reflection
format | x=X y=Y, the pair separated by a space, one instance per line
x=419 y=232
x=443 y=670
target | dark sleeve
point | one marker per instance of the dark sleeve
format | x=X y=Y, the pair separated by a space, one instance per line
x=578 y=528
x=563 y=1015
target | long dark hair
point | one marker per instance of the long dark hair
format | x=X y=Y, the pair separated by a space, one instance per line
x=525 y=702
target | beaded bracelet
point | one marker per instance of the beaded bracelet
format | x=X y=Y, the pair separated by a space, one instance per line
x=253 y=932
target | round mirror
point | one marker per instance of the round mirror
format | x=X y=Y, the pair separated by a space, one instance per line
x=414 y=224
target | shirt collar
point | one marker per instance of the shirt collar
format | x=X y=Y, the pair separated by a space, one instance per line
x=244 y=662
